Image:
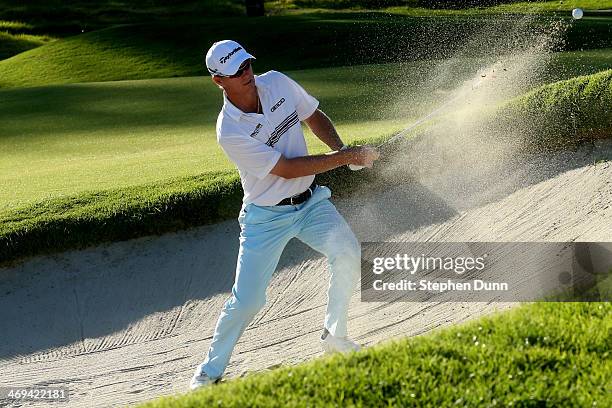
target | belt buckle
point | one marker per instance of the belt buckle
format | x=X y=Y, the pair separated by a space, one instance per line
x=298 y=196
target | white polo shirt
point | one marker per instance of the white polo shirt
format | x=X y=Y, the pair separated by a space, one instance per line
x=255 y=142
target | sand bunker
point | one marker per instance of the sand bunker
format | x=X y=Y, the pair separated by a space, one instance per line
x=127 y=322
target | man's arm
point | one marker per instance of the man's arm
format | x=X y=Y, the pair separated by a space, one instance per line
x=310 y=165
x=324 y=129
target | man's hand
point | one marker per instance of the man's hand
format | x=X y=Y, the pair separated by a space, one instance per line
x=363 y=156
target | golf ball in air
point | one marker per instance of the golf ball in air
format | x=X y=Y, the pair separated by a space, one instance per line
x=577 y=13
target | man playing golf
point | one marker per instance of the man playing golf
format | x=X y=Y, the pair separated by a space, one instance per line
x=259 y=130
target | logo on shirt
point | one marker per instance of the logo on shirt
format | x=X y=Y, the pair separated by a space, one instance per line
x=257 y=129
x=281 y=129
x=223 y=60
x=279 y=103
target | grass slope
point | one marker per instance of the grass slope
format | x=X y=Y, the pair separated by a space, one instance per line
x=334 y=39
x=117 y=134
x=118 y=214
x=417 y=8
x=564 y=112
x=27 y=26
x=69 y=17
x=112 y=183
x=66 y=17
x=109 y=135
x=48 y=19
x=553 y=7
x=549 y=6
x=543 y=354
x=13 y=39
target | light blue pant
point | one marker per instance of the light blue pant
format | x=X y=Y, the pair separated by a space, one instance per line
x=264 y=233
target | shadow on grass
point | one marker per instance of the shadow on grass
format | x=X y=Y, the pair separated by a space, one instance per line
x=122 y=107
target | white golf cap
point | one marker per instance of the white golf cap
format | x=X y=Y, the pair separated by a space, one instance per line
x=224 y=58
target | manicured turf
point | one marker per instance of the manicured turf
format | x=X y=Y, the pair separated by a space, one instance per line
x=565 y=112
x=66 y=144
x=539 y=355
x=42 y=20
x=68 y=139
x=64 y=140
x=553 y=5
x=571 y=64
x=13 y=39
x=416 y=8
x=172 y=204
x=12 y=44
x=77 y=220
x=163 y=50
x=70 y=17
x=519 y=7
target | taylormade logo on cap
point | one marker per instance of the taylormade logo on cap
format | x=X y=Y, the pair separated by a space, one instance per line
x=224 y=58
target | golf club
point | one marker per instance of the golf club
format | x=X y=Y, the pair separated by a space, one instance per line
x=420 y=121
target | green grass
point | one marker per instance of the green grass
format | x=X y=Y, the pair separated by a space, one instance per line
x=412 y=8
x=551 y=6
x=117 y=134
x=118 y=214
x=565 y=65
x=334 y=39
x=15 y=38
x=532 y=7
x=79 y=166
x=89 y=218
x=65 y=145
x=564 y=112
x=27 y=26
x=97 y=164
x=109 y=135
x=40 y=21
x=69 y=17
x=13 y=44
x=538 y=355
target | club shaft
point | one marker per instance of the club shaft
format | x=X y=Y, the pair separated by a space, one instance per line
x=425 y=118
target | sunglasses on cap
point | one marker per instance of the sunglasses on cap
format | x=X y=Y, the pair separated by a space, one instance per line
x=243 y=67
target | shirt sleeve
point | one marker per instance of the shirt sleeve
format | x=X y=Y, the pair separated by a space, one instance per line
x=250 y=155
x=305 y=103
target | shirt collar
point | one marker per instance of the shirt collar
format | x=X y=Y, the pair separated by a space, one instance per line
x=231 y=110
